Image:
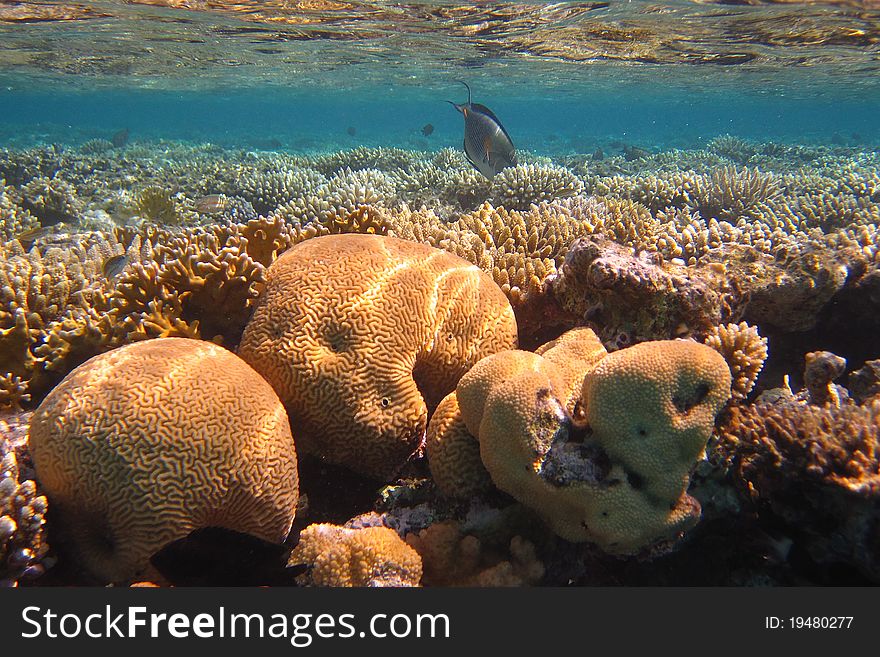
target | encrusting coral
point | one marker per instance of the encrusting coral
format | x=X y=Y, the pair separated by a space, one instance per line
x=609 y=466
x=369 y=556
x=196 y=438
x=357 y=375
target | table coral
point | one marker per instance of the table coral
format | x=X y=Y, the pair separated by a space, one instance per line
x=362 y=335
x=341 y=557
x=196 y=438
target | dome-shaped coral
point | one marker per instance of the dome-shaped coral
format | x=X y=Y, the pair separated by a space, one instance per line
x=613 y=472
x=361 y=335
x=144 y=444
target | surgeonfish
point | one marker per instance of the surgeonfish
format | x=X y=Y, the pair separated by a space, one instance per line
x=486 y=143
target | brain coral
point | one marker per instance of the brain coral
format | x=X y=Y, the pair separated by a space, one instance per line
x=371 y=556
x=361 y=335
x=615 y=471
x=140 y=446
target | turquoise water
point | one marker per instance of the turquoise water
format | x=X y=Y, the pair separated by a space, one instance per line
x=561 y=77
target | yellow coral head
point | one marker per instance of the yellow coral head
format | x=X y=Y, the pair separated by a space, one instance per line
x=652 y=408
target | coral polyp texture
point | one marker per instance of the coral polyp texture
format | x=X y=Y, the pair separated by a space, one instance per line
x=608 y=464
x=22 y=520
x=195 y=438
x=745 y=352
x=342 y=557
x=362 y=335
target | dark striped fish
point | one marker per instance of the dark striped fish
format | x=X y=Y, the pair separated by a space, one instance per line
x=114 y=265
x=486 y=143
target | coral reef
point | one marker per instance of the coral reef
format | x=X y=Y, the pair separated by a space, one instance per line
x=745 y=352
x=196 y=439
x=516 y=188
x=817 y=468
x=341 y=557
x=622 y=486
x=109 y=243
x=358 y=376
x=450 y=557
x=22 y=521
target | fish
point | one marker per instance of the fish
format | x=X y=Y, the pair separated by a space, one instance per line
x=211 y=204
x=114 y=265
x=351 y=130
x=214 y=556
x=486 y=143
x=120 y=139
x=427 y=129
x=28 y=237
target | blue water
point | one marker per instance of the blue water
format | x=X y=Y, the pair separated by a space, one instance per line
x=238 y=79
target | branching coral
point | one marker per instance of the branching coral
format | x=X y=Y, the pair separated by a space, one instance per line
x=745 y=352
x=22 y=522
x=815 y=467
x=267 y=191
x=358 y=375
x=196 y=438
x=516 y=188
x=52 y=199
x=341 y=557
x=156 y=205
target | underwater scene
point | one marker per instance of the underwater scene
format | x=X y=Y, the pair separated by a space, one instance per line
x=439 y=294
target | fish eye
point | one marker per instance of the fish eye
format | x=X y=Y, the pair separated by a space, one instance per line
x=385 y=402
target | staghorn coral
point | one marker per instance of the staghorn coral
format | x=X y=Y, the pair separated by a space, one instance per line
x=196 y=439
x=621 y=486
x=22 y=521
x=815 y=468
x=342 y=557
x=358 y=375
x=516 y=188
x=745 y=352
x=451 y=557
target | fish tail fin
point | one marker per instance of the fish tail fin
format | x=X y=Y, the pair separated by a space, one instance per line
x=455 y=105
x=469 y=90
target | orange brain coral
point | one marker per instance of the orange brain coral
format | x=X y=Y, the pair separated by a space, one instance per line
x=363 y=335
x=139 y=446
